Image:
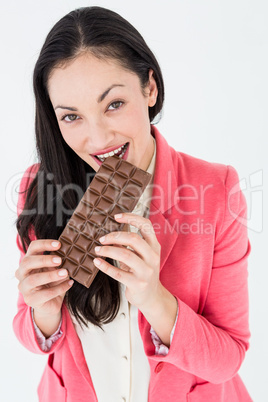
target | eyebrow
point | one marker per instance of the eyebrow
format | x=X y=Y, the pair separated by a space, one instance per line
x=99 y=100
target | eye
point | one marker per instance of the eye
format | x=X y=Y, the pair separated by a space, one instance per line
x=115 y=105
x=71 y=117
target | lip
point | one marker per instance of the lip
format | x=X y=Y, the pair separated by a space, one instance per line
x=124 y=157
x=106 y=150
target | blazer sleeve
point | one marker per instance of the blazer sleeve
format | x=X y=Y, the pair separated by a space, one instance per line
x=22 y=323
x=212 y=345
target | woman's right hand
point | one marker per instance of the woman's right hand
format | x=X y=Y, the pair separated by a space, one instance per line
x=41 y=283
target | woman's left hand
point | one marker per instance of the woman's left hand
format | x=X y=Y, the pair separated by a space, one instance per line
x=139 y=267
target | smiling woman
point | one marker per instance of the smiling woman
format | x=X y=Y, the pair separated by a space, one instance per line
x=166 y=317
x=108 y=116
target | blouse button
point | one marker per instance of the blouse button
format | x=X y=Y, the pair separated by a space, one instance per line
x=125 y=357
x=123 y=315
x=123 y=399
x=159 y=367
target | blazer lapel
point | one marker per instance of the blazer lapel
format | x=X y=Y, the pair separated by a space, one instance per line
x=165 y=233
x=164 y=188
x=162 y=201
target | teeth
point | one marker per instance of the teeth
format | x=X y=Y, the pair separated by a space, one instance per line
x=123 y=153
x=116 y=151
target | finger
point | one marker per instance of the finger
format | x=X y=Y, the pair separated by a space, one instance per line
x=44 y=295
x=114 y=272
x=39 y=246
x=32 y=262
x=143 y=224
x=130 y=239
x=124 y=255
x=42 y=278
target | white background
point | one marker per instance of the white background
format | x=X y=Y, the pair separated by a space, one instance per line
x=213 y=56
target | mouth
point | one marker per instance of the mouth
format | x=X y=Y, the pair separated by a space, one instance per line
x=121 y=152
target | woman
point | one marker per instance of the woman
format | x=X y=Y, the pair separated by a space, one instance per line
x=166 y=318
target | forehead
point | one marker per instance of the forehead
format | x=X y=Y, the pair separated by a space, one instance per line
x=88 y=72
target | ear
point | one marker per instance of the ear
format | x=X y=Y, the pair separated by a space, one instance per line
x=153 y=91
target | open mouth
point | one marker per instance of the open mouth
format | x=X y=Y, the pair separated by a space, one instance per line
x=119 y=152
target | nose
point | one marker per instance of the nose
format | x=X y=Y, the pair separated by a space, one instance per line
x=99 y=136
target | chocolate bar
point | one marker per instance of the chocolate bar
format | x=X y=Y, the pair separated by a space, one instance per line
x=115 y=188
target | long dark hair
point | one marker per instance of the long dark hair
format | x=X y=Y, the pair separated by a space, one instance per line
x=105 y=34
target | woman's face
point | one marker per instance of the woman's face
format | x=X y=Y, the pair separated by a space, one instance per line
x=100 y=107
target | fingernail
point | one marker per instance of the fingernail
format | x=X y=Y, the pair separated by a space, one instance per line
x=96 y=261
x=118 y=216
x=55 y=244
x=102 y=239
x=70 y=282
x=56 y=260
x=97 y=249
x=62 y=272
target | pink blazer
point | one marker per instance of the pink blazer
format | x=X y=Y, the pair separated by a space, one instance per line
x=199 y=216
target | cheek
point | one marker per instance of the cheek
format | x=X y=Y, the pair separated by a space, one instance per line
x=135 y=118
x=71 y=140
